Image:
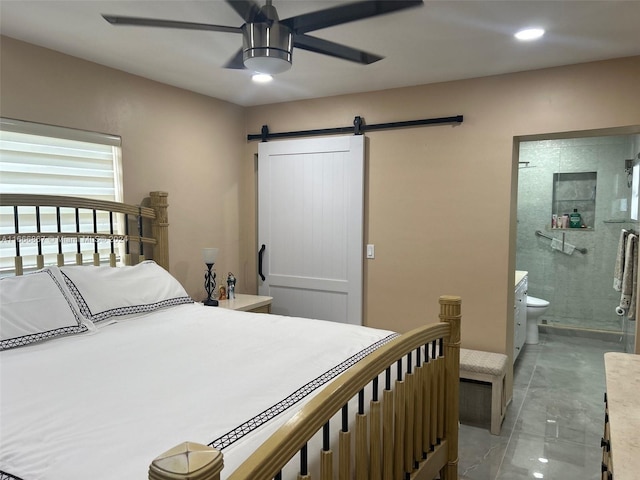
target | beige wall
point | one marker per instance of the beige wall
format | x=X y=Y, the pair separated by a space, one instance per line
x=186 y=144
x=440 y=201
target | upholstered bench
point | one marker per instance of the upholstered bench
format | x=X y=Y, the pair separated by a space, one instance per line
x=487 y=367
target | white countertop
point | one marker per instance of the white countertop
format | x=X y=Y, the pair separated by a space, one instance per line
x=623 y=395
x=520 y=274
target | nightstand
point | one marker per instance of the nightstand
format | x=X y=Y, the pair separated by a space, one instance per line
x=248 y=303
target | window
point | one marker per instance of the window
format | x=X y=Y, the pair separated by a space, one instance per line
x=44 y=159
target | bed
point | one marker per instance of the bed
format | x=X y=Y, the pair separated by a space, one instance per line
x=117 y=373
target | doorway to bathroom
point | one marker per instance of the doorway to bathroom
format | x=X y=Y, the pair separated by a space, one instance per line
x=575 y=196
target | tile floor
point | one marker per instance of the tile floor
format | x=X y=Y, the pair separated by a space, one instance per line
x=554 y=423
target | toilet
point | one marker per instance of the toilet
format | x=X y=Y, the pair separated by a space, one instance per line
x=535 y=308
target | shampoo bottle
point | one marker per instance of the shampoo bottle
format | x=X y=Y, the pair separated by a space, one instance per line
x=575 y=219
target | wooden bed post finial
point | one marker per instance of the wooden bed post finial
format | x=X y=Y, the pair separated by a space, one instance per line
x=187 y=461
x=160 y=228
x=450 y=307
x=450 y=313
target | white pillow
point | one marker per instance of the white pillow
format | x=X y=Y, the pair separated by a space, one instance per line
x=105 y=292
x=34 y=307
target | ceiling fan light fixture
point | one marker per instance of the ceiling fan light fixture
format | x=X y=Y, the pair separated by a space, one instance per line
x=267 y=63
x=528 y=34
x=261 y=78
x=267 y=47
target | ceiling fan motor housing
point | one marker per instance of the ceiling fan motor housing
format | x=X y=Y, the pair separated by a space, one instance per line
x=267 y=47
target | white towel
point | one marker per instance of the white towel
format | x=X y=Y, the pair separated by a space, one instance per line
x=556 y=244
x=630 y=276
x=619 y=268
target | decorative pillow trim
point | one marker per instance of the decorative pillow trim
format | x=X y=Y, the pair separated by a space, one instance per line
x=120 y=311
x=80 y=327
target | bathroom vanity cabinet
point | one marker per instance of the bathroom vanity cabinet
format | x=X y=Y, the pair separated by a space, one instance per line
x=520 y=313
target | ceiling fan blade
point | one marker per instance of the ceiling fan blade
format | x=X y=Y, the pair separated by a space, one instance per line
x=236 y=62
x=153 y=22
x=346 y=13
x=248 y=10
x=318 y=45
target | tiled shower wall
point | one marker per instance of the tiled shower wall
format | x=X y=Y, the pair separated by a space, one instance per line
x=579 y=286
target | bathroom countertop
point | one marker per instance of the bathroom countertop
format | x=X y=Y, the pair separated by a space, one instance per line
x=520 y=274
x=623 y=391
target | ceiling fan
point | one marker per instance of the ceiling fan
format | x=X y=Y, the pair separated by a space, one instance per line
x=268 y=41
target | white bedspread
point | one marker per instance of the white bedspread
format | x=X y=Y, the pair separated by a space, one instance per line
x=103 y=405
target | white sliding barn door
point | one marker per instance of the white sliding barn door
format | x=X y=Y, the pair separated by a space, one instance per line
x=310 y=220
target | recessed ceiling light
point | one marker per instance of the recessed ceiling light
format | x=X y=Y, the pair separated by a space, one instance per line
x=529 y=34
x=262 y=78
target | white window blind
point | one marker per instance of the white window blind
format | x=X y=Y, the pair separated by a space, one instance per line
x=45 y=159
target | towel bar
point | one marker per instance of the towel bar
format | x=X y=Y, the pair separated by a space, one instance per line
x=541 y=234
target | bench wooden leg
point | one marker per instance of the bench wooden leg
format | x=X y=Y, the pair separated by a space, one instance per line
x=497 y=404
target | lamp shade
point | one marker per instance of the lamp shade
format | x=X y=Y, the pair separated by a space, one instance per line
x=209 y=255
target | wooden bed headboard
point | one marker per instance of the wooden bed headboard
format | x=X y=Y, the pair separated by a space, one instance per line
x=80 y=221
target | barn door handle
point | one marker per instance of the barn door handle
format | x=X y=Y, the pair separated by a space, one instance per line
x=260 y=254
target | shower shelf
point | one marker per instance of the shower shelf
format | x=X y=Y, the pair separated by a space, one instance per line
x=575 y=200
x=575 y=191
x=585 y=229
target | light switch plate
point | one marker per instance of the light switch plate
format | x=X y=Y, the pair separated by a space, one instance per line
x=371 y=251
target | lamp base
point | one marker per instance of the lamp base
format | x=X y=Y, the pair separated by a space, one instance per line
x=210 y=302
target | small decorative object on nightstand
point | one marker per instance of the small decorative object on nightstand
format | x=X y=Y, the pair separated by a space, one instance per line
x=209 y=256
x=231 y=286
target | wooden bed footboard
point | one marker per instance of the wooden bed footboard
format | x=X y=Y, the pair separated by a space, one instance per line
x=409 y=431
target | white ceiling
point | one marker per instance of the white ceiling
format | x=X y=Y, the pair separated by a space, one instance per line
x=443 y=40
